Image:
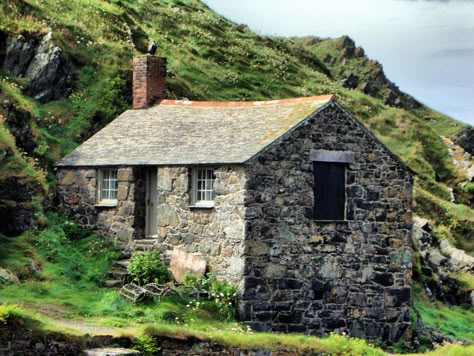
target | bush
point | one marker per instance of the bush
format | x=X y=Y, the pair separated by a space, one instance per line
x=5 y=311
x=146 y=344
x=74 y=231
x=223 y=293
x=148 y=268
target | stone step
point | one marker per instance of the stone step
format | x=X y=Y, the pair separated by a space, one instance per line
x=121 y=264
x=144 y=247
x=113 y=283
x=146 y=241
x=110 y=351
x=118 y=274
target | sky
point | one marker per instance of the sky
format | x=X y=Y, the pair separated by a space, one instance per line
x=426 y=47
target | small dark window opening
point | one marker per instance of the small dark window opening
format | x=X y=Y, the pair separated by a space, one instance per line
x=329 y=190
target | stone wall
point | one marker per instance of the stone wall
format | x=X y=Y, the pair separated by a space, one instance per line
x=77 y=193
x=303 y=275
x=215 y=233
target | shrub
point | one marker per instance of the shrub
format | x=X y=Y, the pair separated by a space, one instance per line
x=148 y=268
x=146 y=344
x=74 y=231
x=198 y=281
x=223 y=293
x=167 y=316
x=5 y=311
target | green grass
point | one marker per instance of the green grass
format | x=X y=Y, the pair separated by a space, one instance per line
x=66 y=296
x=452 y=321
x=209 y=58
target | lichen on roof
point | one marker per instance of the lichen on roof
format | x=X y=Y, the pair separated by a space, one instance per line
x=188 y=132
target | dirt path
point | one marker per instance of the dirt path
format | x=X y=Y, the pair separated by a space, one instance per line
x=54 y=315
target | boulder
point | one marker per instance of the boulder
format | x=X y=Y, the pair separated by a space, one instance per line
x=465 y=139
x=182 y=262
x=350 y=80
x=7 y=277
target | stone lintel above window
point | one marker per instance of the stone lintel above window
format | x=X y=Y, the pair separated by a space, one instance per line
x=331 y=156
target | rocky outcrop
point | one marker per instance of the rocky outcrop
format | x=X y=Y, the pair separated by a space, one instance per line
x=16 y=212
x=38 y=59
x=465 y=139
x=439 y=260
x=374 y=82
x=19 y=123
x=461 y=157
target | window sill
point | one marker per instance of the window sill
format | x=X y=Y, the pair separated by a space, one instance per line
x=107 y=204
x=210 y=205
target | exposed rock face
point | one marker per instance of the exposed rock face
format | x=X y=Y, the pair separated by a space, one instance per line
x=19 y=124
x=461 y=158
x=303 y=275
x=439 y=260
x=39 y=60
x=375 y=80
x=350 y=80
x=465 y=139
x=17 y=337
x=16 y=213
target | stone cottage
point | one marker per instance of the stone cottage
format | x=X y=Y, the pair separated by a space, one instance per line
x=293 y=200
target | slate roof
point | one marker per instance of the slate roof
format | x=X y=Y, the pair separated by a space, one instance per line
x=177 y=132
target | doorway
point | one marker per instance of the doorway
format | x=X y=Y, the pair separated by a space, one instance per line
x=151 y=228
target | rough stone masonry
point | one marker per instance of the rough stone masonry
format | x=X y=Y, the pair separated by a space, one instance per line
x=296 y=274
x=302 y=275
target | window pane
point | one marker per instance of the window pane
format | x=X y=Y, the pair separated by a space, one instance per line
x=204 y=184
x=108 y=184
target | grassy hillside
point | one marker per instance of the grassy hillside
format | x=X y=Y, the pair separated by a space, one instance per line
x=211 y=58
x=61 y=269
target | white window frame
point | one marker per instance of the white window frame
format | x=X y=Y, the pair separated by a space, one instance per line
x=107 y=196
x=202 y=188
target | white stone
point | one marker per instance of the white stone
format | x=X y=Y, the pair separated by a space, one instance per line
x=8 y=277
x=236 y=266
x=182 y=262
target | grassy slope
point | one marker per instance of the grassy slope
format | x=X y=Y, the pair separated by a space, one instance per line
x=57 y=299
x=209 y=58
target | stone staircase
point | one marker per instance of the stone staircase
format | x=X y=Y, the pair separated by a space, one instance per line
x=118 y=274
x=144 y=244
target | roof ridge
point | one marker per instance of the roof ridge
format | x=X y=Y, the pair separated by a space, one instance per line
x=172 y=102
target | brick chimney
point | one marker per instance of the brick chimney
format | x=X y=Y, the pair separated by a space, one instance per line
x=149 y=80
